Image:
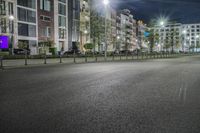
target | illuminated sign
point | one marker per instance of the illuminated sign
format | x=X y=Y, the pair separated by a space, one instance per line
x=4 y=42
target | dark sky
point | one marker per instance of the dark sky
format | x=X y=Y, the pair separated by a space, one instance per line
x=183 y=11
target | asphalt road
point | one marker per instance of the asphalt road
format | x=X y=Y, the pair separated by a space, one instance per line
x=155 y=96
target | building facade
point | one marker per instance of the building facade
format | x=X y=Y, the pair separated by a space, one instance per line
x=177 y=37
x=126 y=31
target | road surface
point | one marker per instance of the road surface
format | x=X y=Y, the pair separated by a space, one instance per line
x=154 y=96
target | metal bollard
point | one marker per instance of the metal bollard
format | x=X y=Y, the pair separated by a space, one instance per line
x=85 y=59
x=60 y=58
x=120 y=57
x=74 y=59
x=45 y=58
x=26 y=62
x=113 y=57
x=96 y=59
x=1 y=60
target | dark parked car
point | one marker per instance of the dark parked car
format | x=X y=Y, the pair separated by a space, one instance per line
x=72 y=52
x=21 y=51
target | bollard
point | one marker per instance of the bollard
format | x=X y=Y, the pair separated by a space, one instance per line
x=132 y=56
x=85 y=59
x=137 y=57
x=26 y=63
x=96 y=59
x=45 y=58
x=142 y=56
x=113 y=57
x=1 y=60
x=120 y=57
x=60 y=58
x=74 y=59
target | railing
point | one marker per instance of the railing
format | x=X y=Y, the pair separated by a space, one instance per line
x=27 y=60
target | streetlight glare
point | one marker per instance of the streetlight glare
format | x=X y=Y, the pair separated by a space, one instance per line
x=184 y=32
x=106 y=2
x=162 y=23
x=11 y=17
x=85 y=31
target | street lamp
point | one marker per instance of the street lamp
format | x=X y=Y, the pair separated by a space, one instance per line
x=184 y=32
x=197 y=38
x=106 y=3
x=11 y=18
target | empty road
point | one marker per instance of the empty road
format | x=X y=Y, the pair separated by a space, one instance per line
x=154 y=96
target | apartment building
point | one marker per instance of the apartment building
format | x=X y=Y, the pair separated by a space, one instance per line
x=178 y=37
x=190 y=37
x=141 y=35
x=35 y=21
x=73 y=23
x=126 y=29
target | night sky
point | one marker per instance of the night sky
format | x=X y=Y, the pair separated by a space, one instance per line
x=183 y=11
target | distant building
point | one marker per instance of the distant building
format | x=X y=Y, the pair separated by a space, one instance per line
x=73 y=23
x=126 y=30
x=141 y=37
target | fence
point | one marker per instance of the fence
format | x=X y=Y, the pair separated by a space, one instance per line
x=16 y=61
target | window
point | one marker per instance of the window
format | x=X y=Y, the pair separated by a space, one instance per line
x=10 y=8
x=62 y=21
x=27 y=3
x=26 y=15
x=64 y=1
x=62 y=9
x=61 y=33
x=46 y=32
x=26 y=30
x=3 y=8
x=45 y=5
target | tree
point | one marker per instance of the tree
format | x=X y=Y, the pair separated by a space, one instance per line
x=97 y=29
x=22 y=45
x=153 y=38
x=89 y=46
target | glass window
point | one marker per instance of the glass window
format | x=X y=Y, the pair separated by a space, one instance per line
x=26 y=30
x=3 y=8
x=62 y=21
x=64 y=1
x=26 y=15
x=10 y=8
x=27 y=3
x=31 y=16
x=45 y=5
x=23 y=29
x=61 y=33
x=62 y=9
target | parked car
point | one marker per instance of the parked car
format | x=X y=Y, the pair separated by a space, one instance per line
x=72 y=52
x=22 y=51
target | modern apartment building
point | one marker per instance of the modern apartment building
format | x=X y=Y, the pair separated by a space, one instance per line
x=141 y=37
x=178 y=37
x=126 y=30
x=73 y=23
x=190 y=37
x=35 y=21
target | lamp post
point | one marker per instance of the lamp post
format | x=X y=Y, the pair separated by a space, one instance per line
x=106 y=3
x=11 y=25
x=183 y=42
x=197 y=38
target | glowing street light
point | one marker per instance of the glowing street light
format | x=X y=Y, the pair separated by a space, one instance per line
x=85 y=31
x=11 y=17
x=106 y=2
x=184 y=32
x=197 y=36
x=162 y=23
